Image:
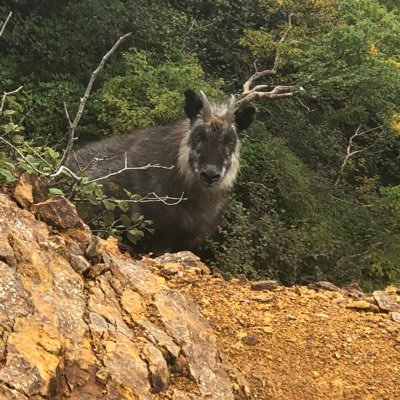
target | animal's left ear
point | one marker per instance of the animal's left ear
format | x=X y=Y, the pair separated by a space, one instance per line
x=193 y=104
x=244 y=117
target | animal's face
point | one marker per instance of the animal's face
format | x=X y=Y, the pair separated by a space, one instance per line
x=210 y=153
x=213 y=150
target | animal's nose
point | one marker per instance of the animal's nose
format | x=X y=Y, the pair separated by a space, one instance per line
x=210 y=175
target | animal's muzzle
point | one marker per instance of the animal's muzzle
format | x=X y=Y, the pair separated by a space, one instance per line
x=210 y=175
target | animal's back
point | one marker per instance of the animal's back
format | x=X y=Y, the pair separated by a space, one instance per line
x=137 y=149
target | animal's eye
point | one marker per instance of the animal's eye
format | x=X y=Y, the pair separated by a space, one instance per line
x=232 y=144
x=197 y=137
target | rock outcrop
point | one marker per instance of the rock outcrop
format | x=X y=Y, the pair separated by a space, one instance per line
x=79 y=320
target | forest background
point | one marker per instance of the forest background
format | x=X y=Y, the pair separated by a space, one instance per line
x=318 y=196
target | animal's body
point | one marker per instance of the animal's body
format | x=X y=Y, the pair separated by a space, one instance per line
x=204 y=153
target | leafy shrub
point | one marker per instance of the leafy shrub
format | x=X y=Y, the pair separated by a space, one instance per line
x=106 y=215
x=262 y=233
x=272 y=164
x=255 y=242
x=383 y=253
x=150 y=91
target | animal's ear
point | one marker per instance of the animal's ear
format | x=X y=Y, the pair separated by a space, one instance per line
x=193 y=104
x=244 y=117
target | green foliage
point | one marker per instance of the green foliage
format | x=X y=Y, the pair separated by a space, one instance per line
x=383 y=253
x=308 y=135
x=106 y=215
x=212 y=29
x=18 y=153
x=150 y=91
x=309 y=19
x=109 y=216
x=255 y=241
x=262 y=231
x=272 y=165
x=42 y=106
x=354 y=61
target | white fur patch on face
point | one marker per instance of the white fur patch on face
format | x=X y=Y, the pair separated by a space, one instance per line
x=183 y=160
x=229 y=178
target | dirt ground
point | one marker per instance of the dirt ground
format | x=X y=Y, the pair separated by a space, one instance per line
x=302 y=344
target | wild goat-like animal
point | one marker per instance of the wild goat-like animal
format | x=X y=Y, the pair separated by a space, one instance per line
x=204 y=152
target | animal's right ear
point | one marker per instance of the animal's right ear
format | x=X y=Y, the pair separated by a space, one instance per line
x=193 y=104
x=245 y=116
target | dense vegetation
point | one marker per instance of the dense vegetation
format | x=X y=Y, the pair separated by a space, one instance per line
x=301 y=210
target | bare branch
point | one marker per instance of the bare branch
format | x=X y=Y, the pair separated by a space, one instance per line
x=5 y=95
x=126 y=168
x=304 y=105
x=67 y=115
x=73 y=124
x=167 y=200
x=78 y=178
x=62 y=169
x=4 y=24
x=350 y=152
x=283 y=38
x=257 y=75
x=277 y=93
x=252 y=93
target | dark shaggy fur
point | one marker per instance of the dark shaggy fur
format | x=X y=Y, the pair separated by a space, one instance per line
x=204 y=151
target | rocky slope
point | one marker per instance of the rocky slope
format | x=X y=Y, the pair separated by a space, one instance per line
x=80 y=320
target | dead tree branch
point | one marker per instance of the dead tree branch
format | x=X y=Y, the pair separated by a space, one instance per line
x=78 y=178
x=350 y=152
x=5 y=95
x=167 y=200
x=4 y=24
x=252 y=92
x=126 y=168
x=73 y=124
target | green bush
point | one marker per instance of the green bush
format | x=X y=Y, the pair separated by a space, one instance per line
x=262 y=232
x=150 y=91
x=106 y=215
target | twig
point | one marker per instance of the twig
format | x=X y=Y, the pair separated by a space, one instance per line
x=21 y=121
x=5 y=95
x=73 y=124
x=4 y=24
x=37 y=154
x=190 y=28
x=304 y=105
x=126 y=168
x=252 y=93
x=62 y=169
x=67 y=114
x=350 y=153
x=283 y=38
x=153 y=197
x=78 y=178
